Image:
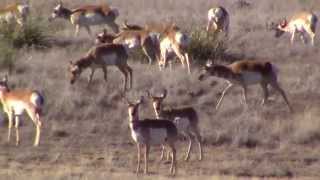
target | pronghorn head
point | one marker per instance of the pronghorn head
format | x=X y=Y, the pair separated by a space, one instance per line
x=279 y=27
x=133 y=108
x=4 y=85
x=104 y=37
x=75 y=71
x=206 y=71
x=59 y=12
x=157 y=101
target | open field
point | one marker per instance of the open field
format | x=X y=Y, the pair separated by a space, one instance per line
x=85 y=129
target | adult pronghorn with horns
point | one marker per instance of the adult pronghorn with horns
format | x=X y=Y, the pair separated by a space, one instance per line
x=15 y=12
x=86 y=16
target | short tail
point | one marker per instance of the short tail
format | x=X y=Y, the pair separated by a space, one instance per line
x=37 y=100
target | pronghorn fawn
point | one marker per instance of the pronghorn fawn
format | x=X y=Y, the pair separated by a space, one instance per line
x=185 y=119
x=150 y=132
x=303 y=23
x=134 y=39
x=218 y=20
x=16 y=102
x=86 y=16
x=101 y=56
x=245 y=73
x=16 y=12
x=174 y=43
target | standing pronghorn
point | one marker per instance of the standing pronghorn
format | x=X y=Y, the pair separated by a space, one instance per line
x=302 y=23
x=87 y=16
x=174 y=43
x=102 y=56
x=246 y=73
x=15 y=102
x=17 y=12
x=218 y=20
x=185 y=119
x=149 y=132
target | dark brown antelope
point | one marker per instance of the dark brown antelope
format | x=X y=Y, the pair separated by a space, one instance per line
x=15 y=12
x=303 y=23
x=86 y=16
x=150 y=132
x=185 y=119
x=245 y=73
x=16 y=102
x=218 y=20
x=102 y=56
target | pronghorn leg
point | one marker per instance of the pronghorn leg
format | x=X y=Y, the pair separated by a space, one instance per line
x=264 y=87
x=10 y=118
x=124 y=72
x=146 y=158
x=198 y=137
x=303 y=38
x=162 y=152
x=129 y=70
x=180 y=55
x=77 y=30
x=163 y=60
x=104 y=69
x=292 y=36
x=139 y=157
x=173 y=167
x=17 y=129
x=189 y=136
x=312 y=36
x=209 y=26
x=244 y=94
x=223 y=94
x=148 y=50
x=88 y=30
x=91 y=76
x=35 y=117
x=276 y=86
x=188 y=62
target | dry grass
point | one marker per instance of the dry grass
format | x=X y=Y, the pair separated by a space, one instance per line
x=85 y=133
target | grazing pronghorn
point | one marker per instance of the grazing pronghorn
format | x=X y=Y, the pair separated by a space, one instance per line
x=302 y=23
x=17 y=12
x=102 y=56
x=174 y=43
x=218 y=20
x=134 y=39
x=15 y=102
x=87 y=16
x=246 y=73
x=185 y=119
x=148 y=132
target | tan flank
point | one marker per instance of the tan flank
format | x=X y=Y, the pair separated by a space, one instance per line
x=303 y=23
x=16 y=102
x=86 y=16
x=16 y=12
x=101 y=56
x=245 y=73
x=218 y=20
x=185 y=119
x=151 y=132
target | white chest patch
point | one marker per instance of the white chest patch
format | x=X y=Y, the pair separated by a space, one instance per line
x=182 y=124
x=17 y=106
x=132 y=43
x=110 y=59
x=166 y=45
x=250 y=78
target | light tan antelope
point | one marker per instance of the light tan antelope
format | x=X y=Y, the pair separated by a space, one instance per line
x=174 y=43
x=15 y=12
x=134 y=39
x=218 y=20
x=245 y=73
x=102 y=56
x=150 y=132
x=16 y=102
x=185 y=119
x=302 y=23
x=86 y=16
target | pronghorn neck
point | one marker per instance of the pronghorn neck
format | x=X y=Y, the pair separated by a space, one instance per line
x=222 y=72
x=84 y=62
x=65 y=13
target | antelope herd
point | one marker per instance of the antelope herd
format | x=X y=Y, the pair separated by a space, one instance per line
x=161 y=43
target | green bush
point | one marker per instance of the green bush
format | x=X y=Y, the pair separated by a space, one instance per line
x=205 y=46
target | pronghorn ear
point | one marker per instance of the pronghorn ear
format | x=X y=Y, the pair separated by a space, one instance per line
x=164 y=94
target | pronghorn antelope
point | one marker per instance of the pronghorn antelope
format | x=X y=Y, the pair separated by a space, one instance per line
x=246 y=73
x=134 y=39
x=174 y=43
x=87 y=16
x=218 y=20
x=17 y=12
x=15 y=102
x=302 y=23
x=185 y=119
x=149 y=132
x=102 y=56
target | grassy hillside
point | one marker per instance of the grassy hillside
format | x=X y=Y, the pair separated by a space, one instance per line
x=85 y=130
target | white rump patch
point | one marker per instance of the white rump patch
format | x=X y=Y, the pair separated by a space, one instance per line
x=181 y=39
x=110 y=59
x=182 y=124
x=36 y=99
x=250 y=77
